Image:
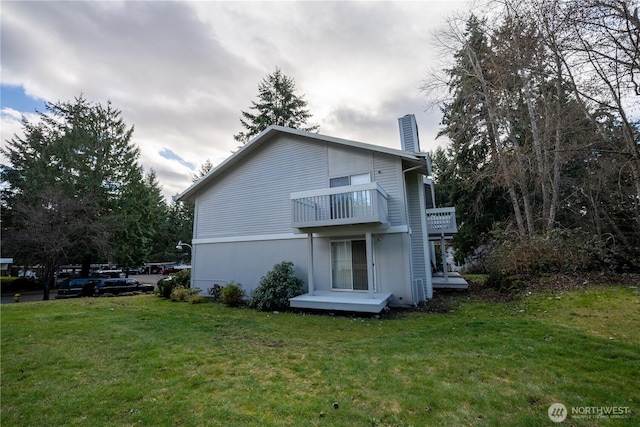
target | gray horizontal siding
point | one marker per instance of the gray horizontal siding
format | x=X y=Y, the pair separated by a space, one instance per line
x=246 y=262
x=414 y=187
x=387 y=171
x=254 y=197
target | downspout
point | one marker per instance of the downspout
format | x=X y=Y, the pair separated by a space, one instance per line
x=193 y=257
x=310 y=273
x=193 y=247
x=370 y=273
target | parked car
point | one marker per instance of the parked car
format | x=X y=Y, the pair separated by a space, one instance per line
x=120 y=286
x=111 y=273
x=28 y=273
x=175 y=269
x=64 y=278
x=75 y=288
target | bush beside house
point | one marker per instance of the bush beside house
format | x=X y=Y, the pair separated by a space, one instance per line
x=276 y=287
x=232 y=295
x=168 y=285
x=273 y=292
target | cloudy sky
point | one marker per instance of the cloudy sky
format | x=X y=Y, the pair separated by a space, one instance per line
x=181 y=72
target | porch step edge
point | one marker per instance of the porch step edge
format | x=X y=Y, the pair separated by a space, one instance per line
x=341 y=302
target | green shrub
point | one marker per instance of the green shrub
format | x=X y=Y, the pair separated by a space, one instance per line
x=181 y=279
x=276 y=287
x=232 y=295
x=166 y=287
x=514 y=259
x=197 y=299
x=181 y=293
x=505 y=283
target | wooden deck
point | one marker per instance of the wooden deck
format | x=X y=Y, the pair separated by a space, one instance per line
x=342 y=301
x=454 y=281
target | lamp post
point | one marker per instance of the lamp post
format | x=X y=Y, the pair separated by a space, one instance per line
x=180 y=245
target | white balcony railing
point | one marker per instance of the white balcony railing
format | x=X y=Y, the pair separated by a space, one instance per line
x=441 y=221
x=354 y=204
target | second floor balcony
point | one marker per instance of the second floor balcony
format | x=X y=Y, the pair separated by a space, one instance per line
x=441 y=222
x=348 y=205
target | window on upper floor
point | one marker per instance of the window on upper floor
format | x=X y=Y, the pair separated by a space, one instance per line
x=341 y=181
x=348 y=205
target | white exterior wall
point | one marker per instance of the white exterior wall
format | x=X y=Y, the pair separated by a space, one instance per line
x=392 y=267
x=245 y=262
x=387 y=171
x=253 y=198
x=242 y=224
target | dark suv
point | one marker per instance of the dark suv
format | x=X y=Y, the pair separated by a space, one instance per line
x=75 y=288
x=120 y=286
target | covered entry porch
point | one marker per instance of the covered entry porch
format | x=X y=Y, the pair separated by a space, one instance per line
x=352 y=283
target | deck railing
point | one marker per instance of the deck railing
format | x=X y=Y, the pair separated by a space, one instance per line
x=354 y=204
x=441 y=221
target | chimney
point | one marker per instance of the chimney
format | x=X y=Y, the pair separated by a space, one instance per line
x=409 y=133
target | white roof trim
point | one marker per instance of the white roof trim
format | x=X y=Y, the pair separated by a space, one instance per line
x=274 y=130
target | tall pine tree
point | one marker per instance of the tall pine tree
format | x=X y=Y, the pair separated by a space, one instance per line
x=74 y=191
x=277 y=105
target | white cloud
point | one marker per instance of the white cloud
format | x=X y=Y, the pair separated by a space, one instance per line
x=182 y=72
x=11 y=125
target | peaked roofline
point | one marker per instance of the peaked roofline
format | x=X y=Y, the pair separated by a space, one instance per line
x=271 y=132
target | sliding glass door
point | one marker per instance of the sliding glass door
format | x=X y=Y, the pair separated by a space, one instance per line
x=349 y=265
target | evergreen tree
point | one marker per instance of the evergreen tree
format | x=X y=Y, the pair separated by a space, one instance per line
x=277 y=105
x=75 y=175
x=465 y=174
x=180 y=225
x=144 y=211
x=204 y=169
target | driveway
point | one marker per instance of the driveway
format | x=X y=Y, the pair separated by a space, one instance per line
x=32 y=296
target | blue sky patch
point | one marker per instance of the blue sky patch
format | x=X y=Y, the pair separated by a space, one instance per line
x=168 y=154
x=15 y=97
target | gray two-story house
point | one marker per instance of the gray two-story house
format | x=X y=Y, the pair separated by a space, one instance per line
x=357 y=220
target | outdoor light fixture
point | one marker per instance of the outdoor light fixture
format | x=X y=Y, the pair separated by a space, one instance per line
x=180 y=245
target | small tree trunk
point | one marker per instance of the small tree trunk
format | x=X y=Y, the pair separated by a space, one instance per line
x=555 y=187
x=86 y=266
x=537 y=141
x=555 y=184
x=48 y=284
x=516 y=210
x=48 y=281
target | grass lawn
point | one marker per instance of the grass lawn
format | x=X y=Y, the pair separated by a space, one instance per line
x=147 y=361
